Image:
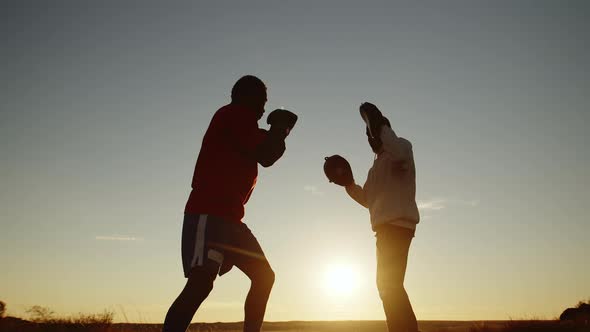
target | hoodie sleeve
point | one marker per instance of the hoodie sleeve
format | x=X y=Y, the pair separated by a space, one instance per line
x=399 y=148
x=357 y=193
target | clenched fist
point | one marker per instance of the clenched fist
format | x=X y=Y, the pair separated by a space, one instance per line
x=282 y=121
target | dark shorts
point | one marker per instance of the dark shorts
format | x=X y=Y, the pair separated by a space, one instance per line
x=214 y=244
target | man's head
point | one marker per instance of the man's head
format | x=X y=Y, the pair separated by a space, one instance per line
x=249 y=91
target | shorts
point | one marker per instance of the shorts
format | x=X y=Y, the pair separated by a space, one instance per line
x=214 y=244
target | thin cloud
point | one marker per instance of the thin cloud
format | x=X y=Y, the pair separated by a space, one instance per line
x=473 y=202
x=437 y=204
x=117 y=238
x=432 y=205
x=313 y=190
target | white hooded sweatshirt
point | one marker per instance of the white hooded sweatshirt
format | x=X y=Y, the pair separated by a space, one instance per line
x=390 y=190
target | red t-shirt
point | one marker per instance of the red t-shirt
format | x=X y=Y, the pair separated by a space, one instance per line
x=226 y=169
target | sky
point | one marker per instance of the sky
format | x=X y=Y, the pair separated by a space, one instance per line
x=103 y=106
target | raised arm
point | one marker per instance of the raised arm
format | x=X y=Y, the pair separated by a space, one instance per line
x=398 y=148
x=266 y=147
x=271 y=149
x=273 y=146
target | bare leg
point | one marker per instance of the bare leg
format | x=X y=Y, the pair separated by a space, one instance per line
x=196 y=290
x=262 y=279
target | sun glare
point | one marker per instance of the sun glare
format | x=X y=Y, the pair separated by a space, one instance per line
x=340 y=279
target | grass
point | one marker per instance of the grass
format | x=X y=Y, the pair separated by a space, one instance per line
x=101 y=323
x=42 y=319
x=533 y=326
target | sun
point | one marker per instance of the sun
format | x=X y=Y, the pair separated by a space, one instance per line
x=340 y=279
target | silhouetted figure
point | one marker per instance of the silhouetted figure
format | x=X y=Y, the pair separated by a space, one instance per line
x=214 y=238
x=389 y=194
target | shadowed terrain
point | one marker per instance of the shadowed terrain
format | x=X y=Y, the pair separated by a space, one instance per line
x=14 y=324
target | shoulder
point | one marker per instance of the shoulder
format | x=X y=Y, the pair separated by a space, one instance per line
x=230 y=115
x=221 y=114
x=389 y=136
x=227 y=111
x=405 y=142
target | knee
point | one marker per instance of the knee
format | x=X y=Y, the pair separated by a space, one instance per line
x=268 y=278
x=207 y=286
x=271 y=278
x=389 y=291
x=264 y=279
x=200 y=284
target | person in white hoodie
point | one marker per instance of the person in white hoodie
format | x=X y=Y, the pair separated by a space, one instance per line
x=389 y=194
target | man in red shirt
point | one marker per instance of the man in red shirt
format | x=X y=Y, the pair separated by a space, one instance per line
x=214 y=238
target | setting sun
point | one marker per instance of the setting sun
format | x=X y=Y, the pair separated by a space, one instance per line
x=340 y=279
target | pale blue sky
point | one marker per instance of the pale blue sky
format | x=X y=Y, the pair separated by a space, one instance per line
x=103 y=107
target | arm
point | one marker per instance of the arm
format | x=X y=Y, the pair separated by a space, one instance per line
x=357 y=193
x=242 y=131
x=338 y=171
x=399 y=148
x=272 y=148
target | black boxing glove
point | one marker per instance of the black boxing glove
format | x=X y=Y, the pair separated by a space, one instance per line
x=282 y=121
x=273 y=147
